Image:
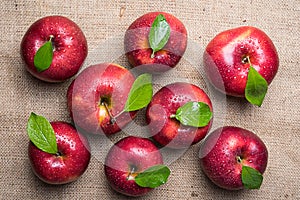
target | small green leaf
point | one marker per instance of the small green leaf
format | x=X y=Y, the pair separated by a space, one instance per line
x=251 y=178
x=41 y=133
x=256 y=87
x=44 y=56
x=195 y=114
x=140 y=93
x=159 y=34
x=153 y=176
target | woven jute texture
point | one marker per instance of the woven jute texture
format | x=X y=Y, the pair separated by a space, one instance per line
x=277 y=122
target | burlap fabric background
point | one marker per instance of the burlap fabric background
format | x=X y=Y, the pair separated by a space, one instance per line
x=277 y=122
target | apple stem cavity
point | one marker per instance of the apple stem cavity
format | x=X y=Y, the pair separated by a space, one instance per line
x=58 y=154
x=246 y=60
x=239 y=159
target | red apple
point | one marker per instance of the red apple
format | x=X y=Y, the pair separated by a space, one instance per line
x=99 y=94
x=165 y=129
x=138 y=50
x=228 y=56
x=128 y=158
x=226 y=150
x=69 y=47
x=69 y=163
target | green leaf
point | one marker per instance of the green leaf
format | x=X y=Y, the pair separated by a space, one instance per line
x=41 y=133
x=256 y=87
x=140 y=93
x=159 y=34
x=251 y=178
x=195 y=114
x=153 y=176
x=44 y=56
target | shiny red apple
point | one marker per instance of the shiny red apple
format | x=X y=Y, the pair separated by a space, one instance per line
x=98 y=95
x=138 y=50
x=126 y=159
x=69 y=47
x=165 y=129
x=229 y=54
x=226 y=150
x=69 y=163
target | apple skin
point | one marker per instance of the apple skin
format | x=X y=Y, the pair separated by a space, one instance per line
x=104 y=82
x=127 y=158
x=225 y=60
x=169 y=131
x=72 y=161
x=138 y=50
x=70 y=47
x=219 y=152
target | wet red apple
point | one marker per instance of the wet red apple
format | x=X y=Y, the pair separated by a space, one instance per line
x=69 y=47
x=138 y=50
x=226 y=150
x=165 y=129
x=228 y=56
x=98 y=95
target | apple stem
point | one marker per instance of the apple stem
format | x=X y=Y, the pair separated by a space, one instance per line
x=112 y=118
x=130 y=177
x=247 y=60
x=51 y=37
x=152 y=55
x=172 y=116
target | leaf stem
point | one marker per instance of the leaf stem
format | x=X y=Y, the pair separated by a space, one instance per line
x=112 y=118
x=120 y=113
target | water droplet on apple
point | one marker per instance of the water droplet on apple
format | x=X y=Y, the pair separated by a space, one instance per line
x=228 y=71
x=242 y=76
x=239 y=69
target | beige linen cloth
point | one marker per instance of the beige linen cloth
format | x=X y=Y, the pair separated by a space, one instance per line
x=277 y=122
